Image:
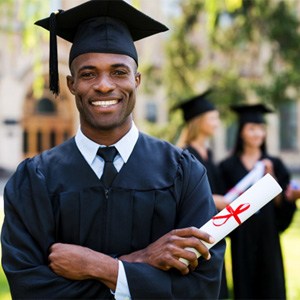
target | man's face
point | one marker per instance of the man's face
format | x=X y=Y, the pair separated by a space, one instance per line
x=104 y=86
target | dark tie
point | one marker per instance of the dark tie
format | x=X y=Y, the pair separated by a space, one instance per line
x=109 y=171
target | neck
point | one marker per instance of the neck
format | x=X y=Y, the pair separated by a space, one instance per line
x=200 y=141
x=199 y=145
x=107 y=137
x=251 y=151
x=250 y=156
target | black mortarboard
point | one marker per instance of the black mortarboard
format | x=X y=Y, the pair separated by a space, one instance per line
x=251 y=113
x=101 y=26
x=196 y=106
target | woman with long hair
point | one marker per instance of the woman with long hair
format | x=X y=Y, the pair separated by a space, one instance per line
x=257 y=265
x=201 y=122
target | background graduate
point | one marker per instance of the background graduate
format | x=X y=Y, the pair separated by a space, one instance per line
x=82 y=225
x=257 y=265
x=201 y=122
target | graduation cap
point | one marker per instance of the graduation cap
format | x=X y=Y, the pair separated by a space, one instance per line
x=196 y=106
x=251 y=113
x=100 y=26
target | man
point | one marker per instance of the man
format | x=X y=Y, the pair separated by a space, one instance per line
x=80 y=226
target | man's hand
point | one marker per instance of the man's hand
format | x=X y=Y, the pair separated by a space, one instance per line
x=164 y=253
x=79 y=263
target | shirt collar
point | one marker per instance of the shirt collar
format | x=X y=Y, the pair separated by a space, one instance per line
x=89 y=148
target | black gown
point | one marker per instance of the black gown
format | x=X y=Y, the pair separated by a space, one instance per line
x=217 y=187
x=257 y=265
x=213 y=172
x=56 y=197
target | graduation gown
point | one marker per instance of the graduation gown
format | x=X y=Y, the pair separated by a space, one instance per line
x=56 y=197
x=213 y=172
x=217 y=187
x=257 y=265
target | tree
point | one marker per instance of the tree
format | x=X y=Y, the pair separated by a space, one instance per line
x=17 y=18
x=261 y=43
x=246 y=50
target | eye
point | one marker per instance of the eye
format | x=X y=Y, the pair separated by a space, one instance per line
x=87 y=75
x=120 y=72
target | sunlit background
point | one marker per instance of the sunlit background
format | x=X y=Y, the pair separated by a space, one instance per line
x=248 y=51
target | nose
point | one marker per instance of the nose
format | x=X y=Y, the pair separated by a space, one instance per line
x=104 y=84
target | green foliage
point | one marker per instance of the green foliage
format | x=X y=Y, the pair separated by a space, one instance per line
x=152 y=76
x=29 y=12
x=6 y=13
x=262 y=26
x=18 y=17
x=182 y=53
x=169 y=131
x=251 y=52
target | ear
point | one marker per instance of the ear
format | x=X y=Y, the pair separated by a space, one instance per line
x=70 y=83
x=138 y=78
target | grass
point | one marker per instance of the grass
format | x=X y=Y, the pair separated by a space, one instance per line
x=4 y=289
x=290 y=247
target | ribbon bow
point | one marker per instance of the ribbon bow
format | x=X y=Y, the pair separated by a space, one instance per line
x=232 y=213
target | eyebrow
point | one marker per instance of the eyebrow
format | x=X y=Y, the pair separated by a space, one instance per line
x=89 y=67
x=86 y=68
x=121 y=65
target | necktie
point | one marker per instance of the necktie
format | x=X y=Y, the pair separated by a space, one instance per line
x=109 y=171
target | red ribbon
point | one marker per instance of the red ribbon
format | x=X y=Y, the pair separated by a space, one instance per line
x=232 y=213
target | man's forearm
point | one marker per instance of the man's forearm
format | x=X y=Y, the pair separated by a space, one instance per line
x=80 y=263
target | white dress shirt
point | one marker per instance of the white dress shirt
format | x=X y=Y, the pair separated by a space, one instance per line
x=88 y=149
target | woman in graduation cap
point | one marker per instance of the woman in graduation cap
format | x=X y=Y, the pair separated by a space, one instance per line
x=201 y=122
x=109 y=213
x=257 y=265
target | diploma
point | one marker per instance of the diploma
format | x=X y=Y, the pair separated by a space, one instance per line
x=238 y=211
x=255 y=174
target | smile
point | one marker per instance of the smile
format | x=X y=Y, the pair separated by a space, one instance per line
x=106 y=103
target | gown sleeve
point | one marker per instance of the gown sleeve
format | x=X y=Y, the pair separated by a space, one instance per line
x=195 y=208
x=27 y=233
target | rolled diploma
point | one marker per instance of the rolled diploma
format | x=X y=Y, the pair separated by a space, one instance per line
x=238 y=211
x=252 y=177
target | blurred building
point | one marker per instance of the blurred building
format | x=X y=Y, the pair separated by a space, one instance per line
x=30 y=124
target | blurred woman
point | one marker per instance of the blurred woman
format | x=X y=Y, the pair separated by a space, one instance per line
x=257 y=265
x=201 y=122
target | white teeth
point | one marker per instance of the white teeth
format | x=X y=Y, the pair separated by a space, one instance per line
x=105 y=103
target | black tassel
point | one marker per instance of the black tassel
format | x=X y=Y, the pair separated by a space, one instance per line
x=53 y=61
